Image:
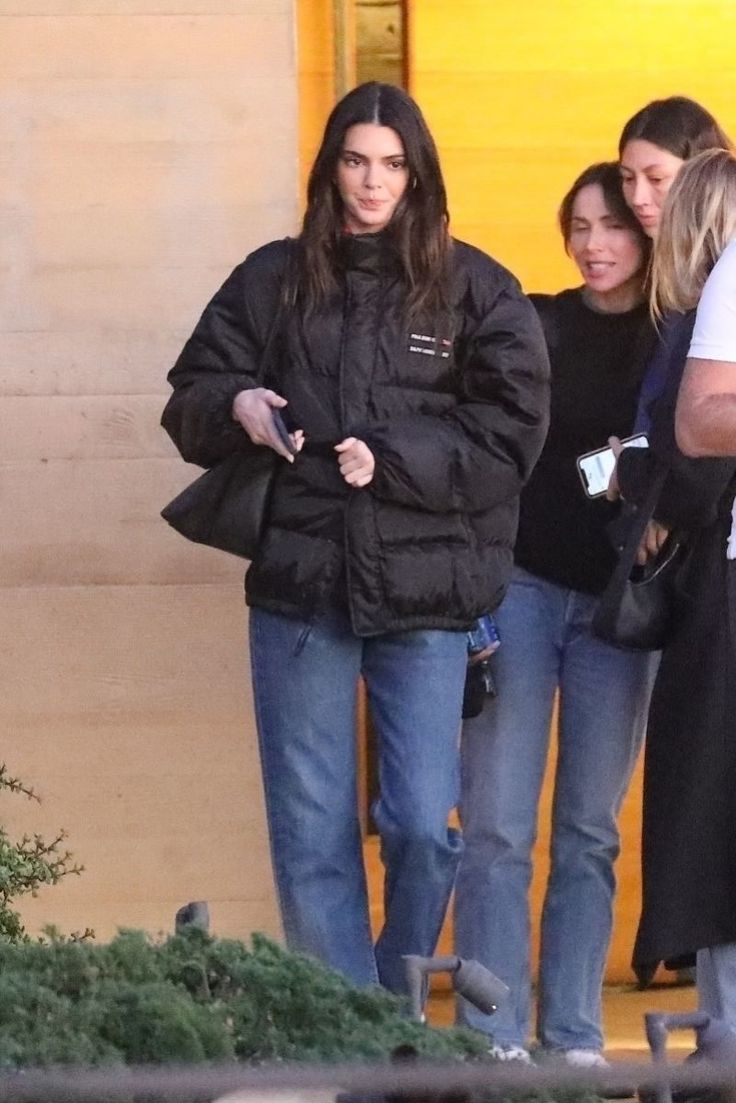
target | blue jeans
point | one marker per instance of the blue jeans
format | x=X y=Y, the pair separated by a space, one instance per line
x=546 y=644
x=716 y=979
x=305 y=679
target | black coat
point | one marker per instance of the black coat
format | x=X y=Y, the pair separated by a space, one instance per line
x=455 y=420
x=689 y=827
x=689 y=815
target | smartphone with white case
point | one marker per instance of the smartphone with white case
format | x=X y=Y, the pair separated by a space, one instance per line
x=595 y=468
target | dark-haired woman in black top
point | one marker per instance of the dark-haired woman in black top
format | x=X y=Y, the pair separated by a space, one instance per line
x=598 y=337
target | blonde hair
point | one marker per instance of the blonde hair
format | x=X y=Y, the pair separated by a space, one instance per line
x=698 y=221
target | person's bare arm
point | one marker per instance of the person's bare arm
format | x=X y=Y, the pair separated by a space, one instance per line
x=705 y=420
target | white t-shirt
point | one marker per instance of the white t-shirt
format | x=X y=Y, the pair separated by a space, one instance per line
x=714 y=335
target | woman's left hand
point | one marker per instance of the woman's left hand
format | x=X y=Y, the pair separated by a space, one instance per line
x=357 y=462
x=614 y=491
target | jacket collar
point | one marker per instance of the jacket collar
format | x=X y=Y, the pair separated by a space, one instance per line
x=371 y=254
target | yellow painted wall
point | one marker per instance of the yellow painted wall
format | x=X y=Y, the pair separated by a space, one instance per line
x=316 y=51
x=522 y=95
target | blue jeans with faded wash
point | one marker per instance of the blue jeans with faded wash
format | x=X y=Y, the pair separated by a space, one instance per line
x=546 y=645
x=305 y=679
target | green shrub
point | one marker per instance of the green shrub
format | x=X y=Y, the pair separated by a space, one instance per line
x=195 y=998
x=189 y=998
x=27 y=864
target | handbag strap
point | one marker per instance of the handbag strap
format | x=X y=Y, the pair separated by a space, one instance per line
x=269 y=356
x=642 y=517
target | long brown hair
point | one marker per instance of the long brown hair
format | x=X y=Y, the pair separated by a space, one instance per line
x=419 y=226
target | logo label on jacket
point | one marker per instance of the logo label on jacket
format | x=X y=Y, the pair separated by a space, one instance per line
x=430 y=346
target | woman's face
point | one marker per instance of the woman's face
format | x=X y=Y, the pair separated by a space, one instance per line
x=371 y=177
x=647 y=173
x=607 y=252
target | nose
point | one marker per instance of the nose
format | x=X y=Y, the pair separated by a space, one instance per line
x=372 y=176
x=594 y=241
x=641 y=193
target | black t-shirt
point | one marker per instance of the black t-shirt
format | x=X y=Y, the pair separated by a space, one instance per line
x=598 y=361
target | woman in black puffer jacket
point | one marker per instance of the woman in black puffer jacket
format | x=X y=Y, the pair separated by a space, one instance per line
x=412 y=374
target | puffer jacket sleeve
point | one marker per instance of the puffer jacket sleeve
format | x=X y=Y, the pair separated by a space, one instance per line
x=221 y=358
x=483 y=451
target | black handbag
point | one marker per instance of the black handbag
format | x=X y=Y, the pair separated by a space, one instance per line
x=637 y=609
x=227 y=507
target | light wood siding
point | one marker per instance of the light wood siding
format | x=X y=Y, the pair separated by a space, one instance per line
x=147 y=146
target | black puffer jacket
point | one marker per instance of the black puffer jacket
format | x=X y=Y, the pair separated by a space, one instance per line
x=455 y=427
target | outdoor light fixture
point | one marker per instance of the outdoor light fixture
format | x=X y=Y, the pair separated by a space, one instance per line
x=470 y=979
x=716 y=1042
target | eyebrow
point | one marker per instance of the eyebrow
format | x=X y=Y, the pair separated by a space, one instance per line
x=608 y=217
x=357 y=153
x=647 y=168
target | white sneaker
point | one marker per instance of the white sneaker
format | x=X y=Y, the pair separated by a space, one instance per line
x=585 y=1059
x=510 y=1053
x=594 y=1059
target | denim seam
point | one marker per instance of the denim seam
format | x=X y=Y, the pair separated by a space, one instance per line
x=255 y=628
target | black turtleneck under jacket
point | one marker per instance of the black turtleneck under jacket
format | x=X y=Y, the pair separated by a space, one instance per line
x=455 y=420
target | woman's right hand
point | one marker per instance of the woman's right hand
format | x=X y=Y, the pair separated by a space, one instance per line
x=253 y=409
x=652 y=542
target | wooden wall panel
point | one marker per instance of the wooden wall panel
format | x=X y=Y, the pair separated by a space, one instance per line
x=140 y=7
x=132 y=713
x=57 y=363
x=54 y=546
x=145 y=147
x=155 y=45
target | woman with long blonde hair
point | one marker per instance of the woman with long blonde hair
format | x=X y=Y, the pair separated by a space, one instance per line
x=689 y=862
x=697 y=225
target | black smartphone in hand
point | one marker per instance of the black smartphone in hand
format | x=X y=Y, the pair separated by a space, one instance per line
x=282 y=431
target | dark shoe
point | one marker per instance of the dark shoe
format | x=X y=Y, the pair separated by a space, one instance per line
x=645 y=975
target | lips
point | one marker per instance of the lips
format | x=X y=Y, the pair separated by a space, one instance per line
x=598 y=267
